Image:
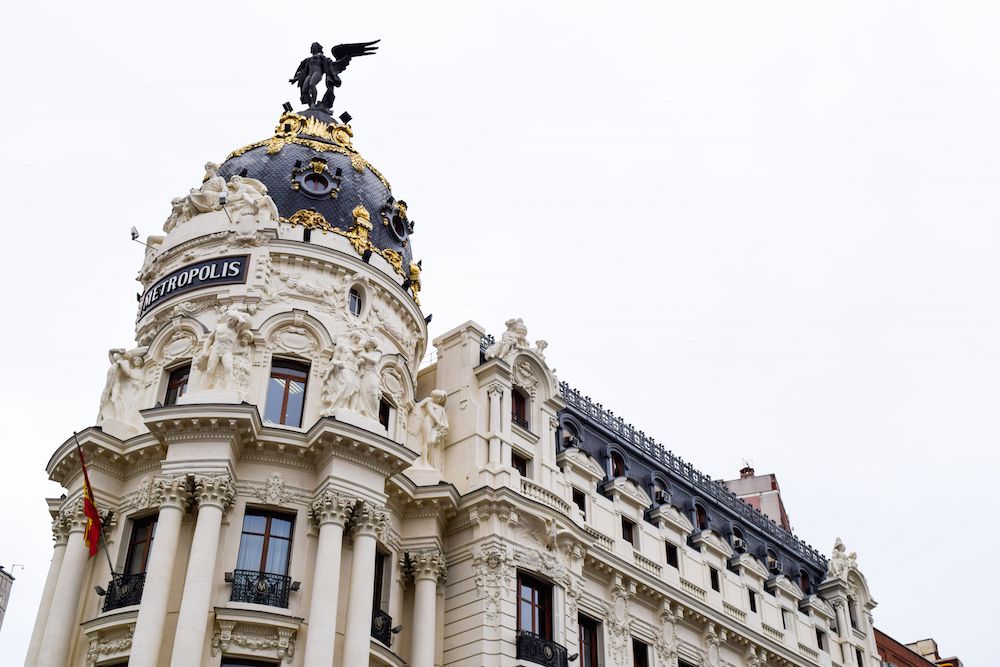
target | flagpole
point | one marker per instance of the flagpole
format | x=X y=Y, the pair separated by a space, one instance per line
x=100 y=519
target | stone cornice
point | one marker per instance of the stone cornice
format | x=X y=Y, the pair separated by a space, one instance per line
x=328 y=437
x=419 y=502
x=579 y=461
x=178 y=423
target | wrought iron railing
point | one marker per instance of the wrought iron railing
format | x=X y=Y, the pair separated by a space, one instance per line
x=520 y=421
x=260 y=588
x=485 y=343
x=382 y=627
x=536 y=648
x=124 y=590
x=701 y=481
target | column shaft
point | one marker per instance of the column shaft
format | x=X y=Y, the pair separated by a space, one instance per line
x=357 y=630
x=45 y=606
x=192 y=621
x=322 y=632
x=152 y=616
x=62 y=621
x=424 y=622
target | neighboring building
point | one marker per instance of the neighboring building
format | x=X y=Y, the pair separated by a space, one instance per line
x=928 y=648
x=760 y=492
x=896 y=654
x=6 y=583
x=289 y=487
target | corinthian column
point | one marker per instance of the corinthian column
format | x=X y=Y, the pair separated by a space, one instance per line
x=330 y=513
x=62 y=621
x=59 y=534
x=427 y=568
x=174 y=498
x=367 y=524
x=214 y=494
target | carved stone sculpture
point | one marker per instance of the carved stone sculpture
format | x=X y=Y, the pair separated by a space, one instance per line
x=514 y=338
x=212 y=193
x=249 y=194
x=180 y=212
x=370 y=390
x=122 y=390
x=429 y=427
x=841 y=562
x=342 y=382
x=223 y=356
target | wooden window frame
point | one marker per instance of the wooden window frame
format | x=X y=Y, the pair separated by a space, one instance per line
x=287 y=379
x=262 y=567
x=589 y=650
x=180 y=383
x=150 y=522
x=540 y=604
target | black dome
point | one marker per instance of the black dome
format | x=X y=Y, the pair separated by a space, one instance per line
x=310 y=168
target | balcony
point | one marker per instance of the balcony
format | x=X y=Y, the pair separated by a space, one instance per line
x=124 y=590
x=519 y=421
x=536 y=648
x=262 y=588
x=382 y=627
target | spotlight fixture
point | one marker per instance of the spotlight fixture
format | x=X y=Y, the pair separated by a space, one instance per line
x=295 y=585
x=229 y=577
x=345 y=118
x=135 y=234
x=100 y=591
x=287 y=106
x=396 y=630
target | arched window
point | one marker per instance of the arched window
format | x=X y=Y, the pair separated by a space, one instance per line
x=805 y=583
x=773 y=564
x=569 y=436
x=519 y=408
x=286 y=393
x=700 y=517
x=617 y=465
x=739 y=543
x=354 y=302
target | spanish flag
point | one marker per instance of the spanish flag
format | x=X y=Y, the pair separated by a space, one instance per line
x=92 y=535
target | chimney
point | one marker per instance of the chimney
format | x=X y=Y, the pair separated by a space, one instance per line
x=746 y=472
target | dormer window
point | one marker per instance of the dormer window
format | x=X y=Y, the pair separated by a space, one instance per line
x=805 y=583
x=700 y=517
x=569 y=437
x=617 y=465
x=773 y=564
x=519 y=408
x=739 y=543
x=660 y=495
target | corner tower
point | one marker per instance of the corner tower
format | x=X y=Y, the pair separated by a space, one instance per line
x=254 y=423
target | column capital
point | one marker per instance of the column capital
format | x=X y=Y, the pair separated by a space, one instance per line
x=72 y=518
x=60 y=533
x=369 y=519
x=331 y=507
x=426 y=564
x=494 y=389
x=214 y=491
x=172 y=492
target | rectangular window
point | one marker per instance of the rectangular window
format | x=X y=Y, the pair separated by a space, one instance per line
x=673 y=559
x=519 y=408
x=519 y=463
x=384 y=412
x=177 y=384
x=753 y=601
x=852 y=610
x=860 y=656
x=588 y=642
x=140 y=544
x=714 y=576
x=580 y=500
x=534 y=606
x=820 y=640
x=286 y=393
x=265 y=543
x=379 y=580
x=628 y=531
x=640 y=653
x=785 y=620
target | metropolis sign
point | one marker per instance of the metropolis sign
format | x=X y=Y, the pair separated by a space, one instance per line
x=211 y=272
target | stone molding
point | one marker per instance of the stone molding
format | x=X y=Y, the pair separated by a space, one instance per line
x=331 y=507
x=368 y=519
x=254 y=638
x=214 y=491
x=425 y=564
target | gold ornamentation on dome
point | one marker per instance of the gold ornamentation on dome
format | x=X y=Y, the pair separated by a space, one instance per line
x=316 y=128
x=310 y=219
x=358 y=162
x=394 y=259
x=318 y=165
x=415 y=282
x=358 y=234
x=342 y=135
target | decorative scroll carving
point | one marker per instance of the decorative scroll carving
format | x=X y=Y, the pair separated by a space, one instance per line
x=255 y=638
x=493 y=571
x=111 y=644
x=617 y=624
x=666 y=636
x=273 y=492
x=143 y=494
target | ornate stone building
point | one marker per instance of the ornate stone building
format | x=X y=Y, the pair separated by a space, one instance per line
x=285 y=484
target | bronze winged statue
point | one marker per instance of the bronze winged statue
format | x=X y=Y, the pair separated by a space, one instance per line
x=317 y=66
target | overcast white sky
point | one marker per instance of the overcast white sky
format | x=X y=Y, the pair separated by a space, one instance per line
x=760 y=231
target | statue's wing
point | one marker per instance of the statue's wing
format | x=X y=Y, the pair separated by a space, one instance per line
x=342 y=53
x=300 y=73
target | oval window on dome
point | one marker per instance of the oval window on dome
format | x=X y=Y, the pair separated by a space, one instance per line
x=398 y=227
x=314 y=184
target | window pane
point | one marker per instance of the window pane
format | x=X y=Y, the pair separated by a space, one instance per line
x=277 y=556
x=296 y=396
x=281 y=527
x=254 y=523
x=275 y=399
x=526 y=617
x=251 y=547
x=135 y=560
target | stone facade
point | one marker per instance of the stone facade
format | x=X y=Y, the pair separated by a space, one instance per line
x=274 y=403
